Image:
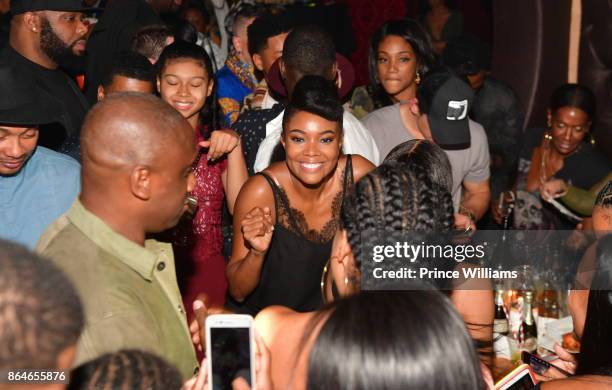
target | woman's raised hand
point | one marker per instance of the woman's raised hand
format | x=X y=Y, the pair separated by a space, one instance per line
x=552 y=189
x=257 y=229
x=221 y=142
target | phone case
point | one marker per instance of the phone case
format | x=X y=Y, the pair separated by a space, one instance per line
x=507 y=382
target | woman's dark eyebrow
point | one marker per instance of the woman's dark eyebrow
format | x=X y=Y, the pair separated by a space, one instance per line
x=297 y=131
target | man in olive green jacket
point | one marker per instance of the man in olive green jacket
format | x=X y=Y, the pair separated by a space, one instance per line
x=136 y=173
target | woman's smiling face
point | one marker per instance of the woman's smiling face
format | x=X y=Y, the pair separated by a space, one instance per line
x=312 y=147
x=185 y=85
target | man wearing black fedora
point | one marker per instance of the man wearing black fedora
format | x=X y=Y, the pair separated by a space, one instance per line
x=37 y=185
x=43 y=33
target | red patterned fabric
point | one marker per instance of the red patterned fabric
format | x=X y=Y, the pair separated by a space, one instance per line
x=367 y=16
x=201 y=265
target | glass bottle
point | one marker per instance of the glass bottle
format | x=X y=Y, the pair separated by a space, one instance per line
x=500 y=321
x=550 y=304
x=528 y=334
x=522 y=284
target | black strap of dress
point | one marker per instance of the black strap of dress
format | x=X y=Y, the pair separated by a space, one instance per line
x=280 y=197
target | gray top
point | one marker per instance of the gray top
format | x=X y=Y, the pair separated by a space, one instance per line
x=471 y=164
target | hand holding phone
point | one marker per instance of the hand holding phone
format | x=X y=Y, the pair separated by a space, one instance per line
x=201 y=310
x=520 y=378
x=541 y=366
x=562 y=367
x=230 y=352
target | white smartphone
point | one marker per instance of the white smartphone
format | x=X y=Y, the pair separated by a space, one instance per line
x=520 y=378
x=230 y=351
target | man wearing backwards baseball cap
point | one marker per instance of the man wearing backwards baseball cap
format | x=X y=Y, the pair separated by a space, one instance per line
x=42 y=33
x=444 y=102
x=37 y=185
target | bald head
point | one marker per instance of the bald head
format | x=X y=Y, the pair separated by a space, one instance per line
x=138 y=154
x=132 y=129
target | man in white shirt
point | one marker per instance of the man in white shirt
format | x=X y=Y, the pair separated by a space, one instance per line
x=308 y=50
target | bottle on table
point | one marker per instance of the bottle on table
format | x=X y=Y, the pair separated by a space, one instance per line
x=528 y=334
x=500 y=321
x=549 y=307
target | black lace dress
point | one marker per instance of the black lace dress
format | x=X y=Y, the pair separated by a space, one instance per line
x=292 y=269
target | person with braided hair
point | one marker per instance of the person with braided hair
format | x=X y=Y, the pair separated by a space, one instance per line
x=126 y=369
x=602 y=210
x=426 y=154
x=395 y=197
x=41 y=317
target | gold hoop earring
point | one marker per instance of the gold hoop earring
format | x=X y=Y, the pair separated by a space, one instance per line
x=417 y=79
x=591 y=139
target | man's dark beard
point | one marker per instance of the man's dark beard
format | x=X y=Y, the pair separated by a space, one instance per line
x=54 y=47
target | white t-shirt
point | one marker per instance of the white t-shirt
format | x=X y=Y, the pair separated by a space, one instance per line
x=357 y=139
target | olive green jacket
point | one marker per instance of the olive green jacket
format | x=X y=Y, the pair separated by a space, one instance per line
x=130 y=293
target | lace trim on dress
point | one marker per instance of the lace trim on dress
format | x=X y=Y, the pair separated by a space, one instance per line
x=295 y=221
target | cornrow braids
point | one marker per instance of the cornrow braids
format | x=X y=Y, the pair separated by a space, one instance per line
x=604 y=197
x=40 y=312
x=426 y=154
x=393 y=200
x=126 y=369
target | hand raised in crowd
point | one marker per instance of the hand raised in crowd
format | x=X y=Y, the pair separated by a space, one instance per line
x=552 y=189
x=465 y=223
x=257 y=229
x=263 y=377
x=198 y=325
x=566 y=361
x=221 y=142
x=501 y=206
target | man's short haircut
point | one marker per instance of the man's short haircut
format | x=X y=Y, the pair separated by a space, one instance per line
x=131 y=65
x=604 y=198
x=264 y=27
x=40 y=312
x=150 y=41
x=309 y=50
x=240 y=14
x=201 y=8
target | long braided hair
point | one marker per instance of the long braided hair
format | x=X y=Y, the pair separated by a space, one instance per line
x=126 y=369
x=394 y=198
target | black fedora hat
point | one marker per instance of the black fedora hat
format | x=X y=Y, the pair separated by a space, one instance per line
x=21 y=102
x=21 y=6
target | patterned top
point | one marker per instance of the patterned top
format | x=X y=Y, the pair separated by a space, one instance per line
x=200 y=261
x=252 y=129
x=235 y=81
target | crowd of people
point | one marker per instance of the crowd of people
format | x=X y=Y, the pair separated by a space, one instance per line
x=165 y=160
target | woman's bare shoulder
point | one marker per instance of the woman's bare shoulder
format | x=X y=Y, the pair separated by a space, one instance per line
x=273 y=319
x=361 y=166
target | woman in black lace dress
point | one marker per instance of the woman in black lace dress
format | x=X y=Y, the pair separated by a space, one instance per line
x=285 y=218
